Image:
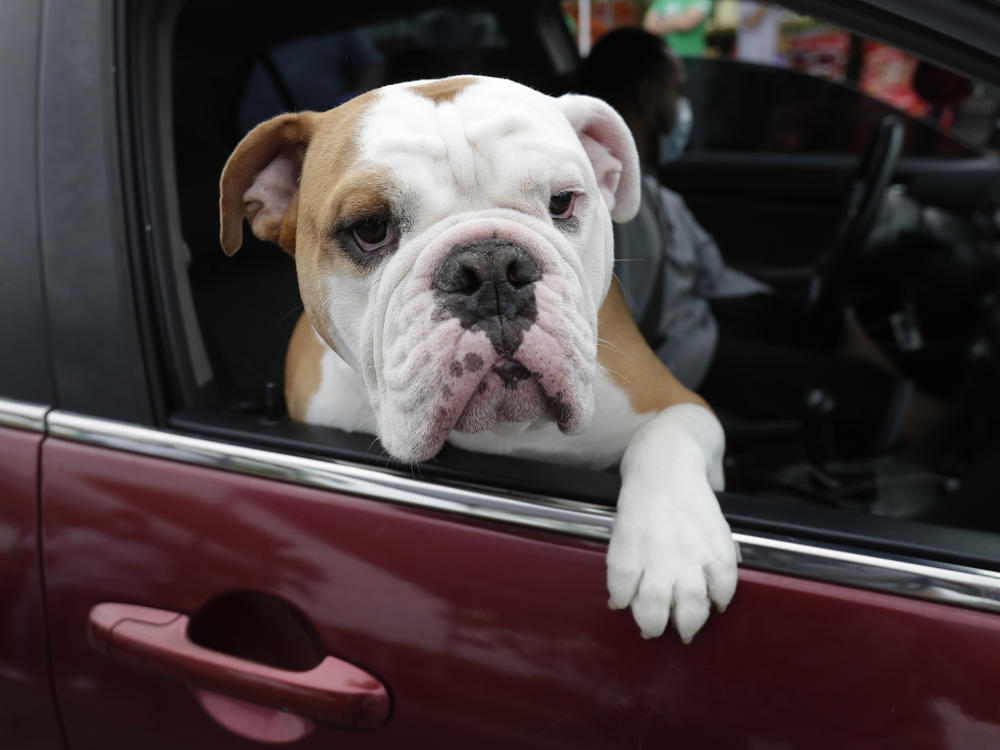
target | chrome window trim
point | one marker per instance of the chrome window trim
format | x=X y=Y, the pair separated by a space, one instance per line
x=22 y=415
x=969 y=587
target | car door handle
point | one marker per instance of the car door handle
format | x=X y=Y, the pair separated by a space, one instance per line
x=157 y=640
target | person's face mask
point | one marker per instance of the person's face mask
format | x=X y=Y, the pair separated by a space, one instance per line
x=673 y=143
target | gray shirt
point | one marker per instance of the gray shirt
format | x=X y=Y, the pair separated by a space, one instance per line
x=669 y=267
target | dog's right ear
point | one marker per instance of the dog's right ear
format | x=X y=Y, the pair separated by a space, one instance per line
x=611 y=150
x=261 y=181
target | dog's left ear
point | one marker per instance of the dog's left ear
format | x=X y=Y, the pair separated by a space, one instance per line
x=261 y=181
x=611 y=149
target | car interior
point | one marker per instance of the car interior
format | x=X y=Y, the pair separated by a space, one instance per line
x=833 y=198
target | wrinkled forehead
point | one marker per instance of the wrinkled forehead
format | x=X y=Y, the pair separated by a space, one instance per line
x=477 y=132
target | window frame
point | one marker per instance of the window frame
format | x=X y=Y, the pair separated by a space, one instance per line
x=27 y=372
x=770 y=538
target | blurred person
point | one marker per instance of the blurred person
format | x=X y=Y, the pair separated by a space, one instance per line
x=681 y=23
x=722 y=332
x=758 y=32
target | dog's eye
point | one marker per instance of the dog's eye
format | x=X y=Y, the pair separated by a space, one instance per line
x=373 y=234
x=561 y=205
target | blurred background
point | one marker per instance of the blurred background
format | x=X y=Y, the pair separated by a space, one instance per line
x=768 y=34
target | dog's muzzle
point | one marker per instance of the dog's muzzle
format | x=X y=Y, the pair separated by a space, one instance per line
x=489 y=286
x=486 y=324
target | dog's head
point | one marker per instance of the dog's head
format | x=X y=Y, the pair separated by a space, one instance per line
x=453 y=244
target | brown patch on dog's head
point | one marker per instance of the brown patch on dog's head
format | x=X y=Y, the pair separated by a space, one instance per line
x=331 y=198
x=337 y=189
x=261 y=178
x=292 y=177
x=443 y=90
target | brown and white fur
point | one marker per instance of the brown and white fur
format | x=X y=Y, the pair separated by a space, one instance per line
x=453 y=246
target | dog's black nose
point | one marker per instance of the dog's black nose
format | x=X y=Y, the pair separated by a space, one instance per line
x=488 y=286
x=492 y=261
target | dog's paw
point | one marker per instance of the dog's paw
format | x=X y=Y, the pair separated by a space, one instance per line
x=670 y=566
x=671 y=554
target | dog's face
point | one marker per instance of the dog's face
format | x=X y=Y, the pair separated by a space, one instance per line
x=453 y=244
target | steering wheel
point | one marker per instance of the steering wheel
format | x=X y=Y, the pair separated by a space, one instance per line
x=869 y=183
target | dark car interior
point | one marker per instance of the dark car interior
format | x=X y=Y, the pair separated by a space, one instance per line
x=887 y=217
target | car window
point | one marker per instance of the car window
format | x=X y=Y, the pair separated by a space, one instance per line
x=788 y=473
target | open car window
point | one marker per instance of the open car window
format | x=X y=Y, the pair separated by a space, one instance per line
x=935 y=317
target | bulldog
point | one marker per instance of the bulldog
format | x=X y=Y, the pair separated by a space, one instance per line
x=454 y=253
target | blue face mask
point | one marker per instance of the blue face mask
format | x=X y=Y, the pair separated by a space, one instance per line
x=672 y=144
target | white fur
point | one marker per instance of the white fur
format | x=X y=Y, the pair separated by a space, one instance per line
x=408 y=350
x=671 y=552
x=485 y=164
x=497 y=144
x=599 y=446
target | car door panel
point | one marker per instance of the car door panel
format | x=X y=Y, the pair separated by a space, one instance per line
x=482 y=632
x=27 y=713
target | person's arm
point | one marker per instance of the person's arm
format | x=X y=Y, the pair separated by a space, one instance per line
x=658 y=23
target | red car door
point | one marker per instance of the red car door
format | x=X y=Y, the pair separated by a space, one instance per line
x=27 y=715
x=482 y=631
